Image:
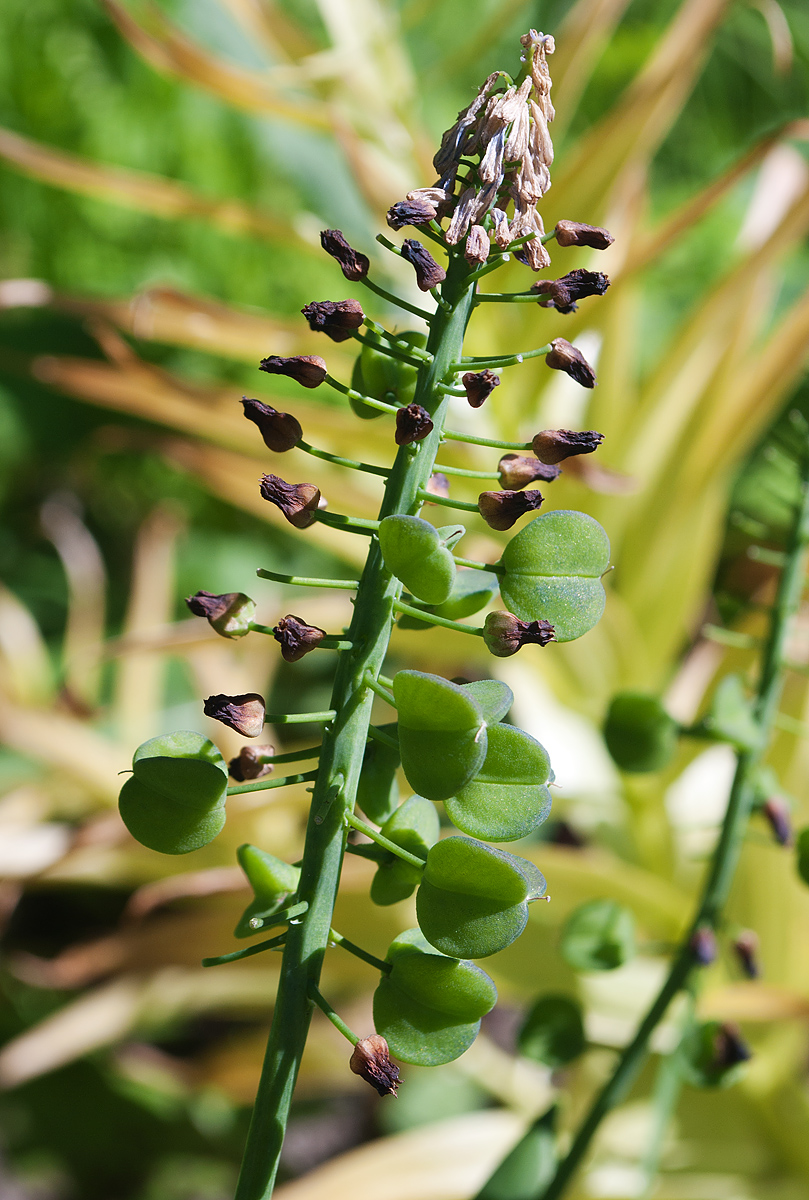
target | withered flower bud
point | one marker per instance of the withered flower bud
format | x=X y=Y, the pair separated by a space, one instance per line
x=563 y=293
x=428 y=272
x=555 y=445
x=336 y=318
x=501 y=509
x=504 y=633
x=371 y=1060
x=413 y=423
x=778 y=817
x=280 y=431
x=564 y=357
x=703 y=946
x=517 y=470
x=245 y=713
x=573 y=233
x=355 y=266
x=296 y=637
x=309 y=370
x=477 y=247
x=746 y=948
x=230 y=614
x=418 y=211
x=479 y=386
x=437 y=485
x=252 y=762
x=298 y=502
x=730 y=1047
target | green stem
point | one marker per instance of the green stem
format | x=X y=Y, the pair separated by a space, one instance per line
x=299 y=718
x=508 y=297
x=354 y=395
x=329 y=642
x=348 y=524
x=400 y=343
x=273 y=943
x=264 y=785
x=397 y=300
x=350 y=585
x=379 y=735
x=293 y=755
x=386 y=844
x=358 y=952
x=496 y=568
x=448 y=502
x=466 y=474
x=327 y=1009
x=509 y=360
x=390 y=349
x=667 y=1087
x=380 y=691
x=434 y=619
x=343 y=462
x=452 y=436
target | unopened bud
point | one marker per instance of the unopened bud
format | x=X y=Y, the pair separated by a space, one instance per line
x=428 y=272
x=355 y=266
x=418 y=211
x=563 y=293
x=573 y=233
x=230 y=614
x=336 y=318
x=477 y=247
x=555 y=445
x=518 y=470
x=298 y=502
x=245 y=713
x=703 y=946
x=776 y=811
x=371 y=1061
x=479 y=385
x=564 y=357
x=504 y=634
x=296 y=637
x=729 y=1047
x=413 y=423
x=746 y=949
x=280 y=431
x=309 y=370
x=252 y=762
x=438 y=485
x=501 y=509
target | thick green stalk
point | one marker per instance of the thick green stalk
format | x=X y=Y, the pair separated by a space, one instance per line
x=341 y=759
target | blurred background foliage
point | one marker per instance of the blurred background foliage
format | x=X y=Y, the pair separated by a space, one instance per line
x=165 y=170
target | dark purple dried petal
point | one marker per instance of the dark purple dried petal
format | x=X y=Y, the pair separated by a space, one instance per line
x=298 y=502
x=576 y=285
x=296 y=638
x=501 y=509
x=244 y=713
x=564 y=357
x=371 y=1060
x=230 y=614
x=555 y=445
x=336 y=318
x=504 y=633
x=518 y=470
x=703 y=946
x=413 y=423
x=411 y=212
x=307 y=369
x=252 y=762
x=479 y=385
x=776 y=811
x=746 y=948
x=280 y=431
x=573 y=233
x=730 y=1047
x=354 y=265
x=428 y=272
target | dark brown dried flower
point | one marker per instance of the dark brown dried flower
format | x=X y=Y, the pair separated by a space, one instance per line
x=504 y=633
x=252 y=762
x=437 y=485
x=371 y=1060
x=296 y=637
x=703 y=946
x=428 y=272
x=730 y=1047
x=776 y=812
x=245 y=713
x=555 y=445
x=355 y=266
x=413 y=423
x=477 y=247
x=336 y=318
x=298 y=502
x=417 y=211
x=563 y=293
x=479 y=386
x=309 y=370
x=501 y=509
x=280 y=431
x=518 y=470
x=746 y=948
x=230 y=614
x=564 y=357
x=573 y=233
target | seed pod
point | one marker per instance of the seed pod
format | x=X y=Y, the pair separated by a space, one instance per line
x=500 y=510
x=371 y=1061
x=244 y=713
x=230 y=614
x=574 y=233
x=778 y=817
x=703 y=946
x=280 y=431
x=517 y=471
x=479 y=385
x=428 y=272
x=564 y=357
x=296 y=638
x=251 y=763
x=355 y=266
x=309 y=370
x=555 y=445
x=477 y=247
x=336 y=318
x=298 y=502
x=746 y=948
x=504 y=634
x=729 y=1047
x=418 y=211
x=413 y=423
x=563 y=293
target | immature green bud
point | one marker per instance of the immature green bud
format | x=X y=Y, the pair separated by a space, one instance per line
x=746 y=948
x=298 y=502
x=703 y=946
x=479 y=385
x=517 y=470
x=428 y=272
x=280 y=431
x=573 y=233
x=244 y=713
x=555 y=445
x=309 y=370
x=355 y=266
x=230 y=614
x=563 y=293
x=336 y=318
x=504 y=634
x=296 y=638
x=564 y=357
x=252 y=762
x=500 y=510
x=413 y=423
x=371 y=1061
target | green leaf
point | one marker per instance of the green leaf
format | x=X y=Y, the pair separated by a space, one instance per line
x=271 y=879
x=495 y=698
x=553 y=1031
x=730 y=717
x=598 y=936
x=415 y=827
x=553 y=572
x=529 y=1167
x=377 y=790
x=414 y=552
x=802 y=849
x=508 y=798
x=442 y=733
x=640 y=734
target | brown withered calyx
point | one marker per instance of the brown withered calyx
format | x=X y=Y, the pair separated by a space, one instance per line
x=309 y=370
x=411 y=212
x=298 y=502
x=428 y=272
x=230 y=614
x=244 y=713
x=280 y=431
x=564 y=357
x=479 y=385
x=413 y=423
x=555 y=445
x=563 y=293
x=336 y=318
x=505 y=634
x=296 y=638
x=518 y=470
x=251 y=763
x=501 y=509
x=371 y=1061
x=354 y=265
x=574 y=233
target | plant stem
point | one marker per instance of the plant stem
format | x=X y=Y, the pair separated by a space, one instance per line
x=263 y=785
x=433 y=619
x=386 y=844
x=397 y=300
x=354 y=395
x=273 y=943
x=495 y=568
x=343 y=462
x=350 y=585
x=390 y=349
x=466 y=474
x=349 y=524
x=327 y=1009
x=358 y=952
x=448 y=502
x=509 y=360
x=452 y=436
x=379 y=735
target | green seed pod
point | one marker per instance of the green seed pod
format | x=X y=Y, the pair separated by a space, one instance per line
x=509 y=797
x=553 y=1031
x=382 y=377
x=598 y=936
x=442 y=733
x=640 y=734
x=415 y=827
x=271 y=879
x=415 y=552
x=713 y=1054
x=528 y=1168
x=377 y=790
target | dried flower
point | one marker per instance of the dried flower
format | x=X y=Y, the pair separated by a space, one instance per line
x=776 y=811
x=501 y=509
x=298 y=502
x=517 y=470
x=703 y=946
x=573 y=233
x=418 y=211
x=355 y=266
x=413 y=423
x=230 y=614
x=746 y=948
x=428 y=273
x=252 y=762
x=309 y=370
x=296 y=638
x=280 y=431
x=563 y=293
x=336 y=318
x=477 y=246
x=437 y=485
x=479 y=386
x=504 y=634
x=729 y=1047
x=564 y=357
x=245 y=713
x=371 y=1060
x=555 y=445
